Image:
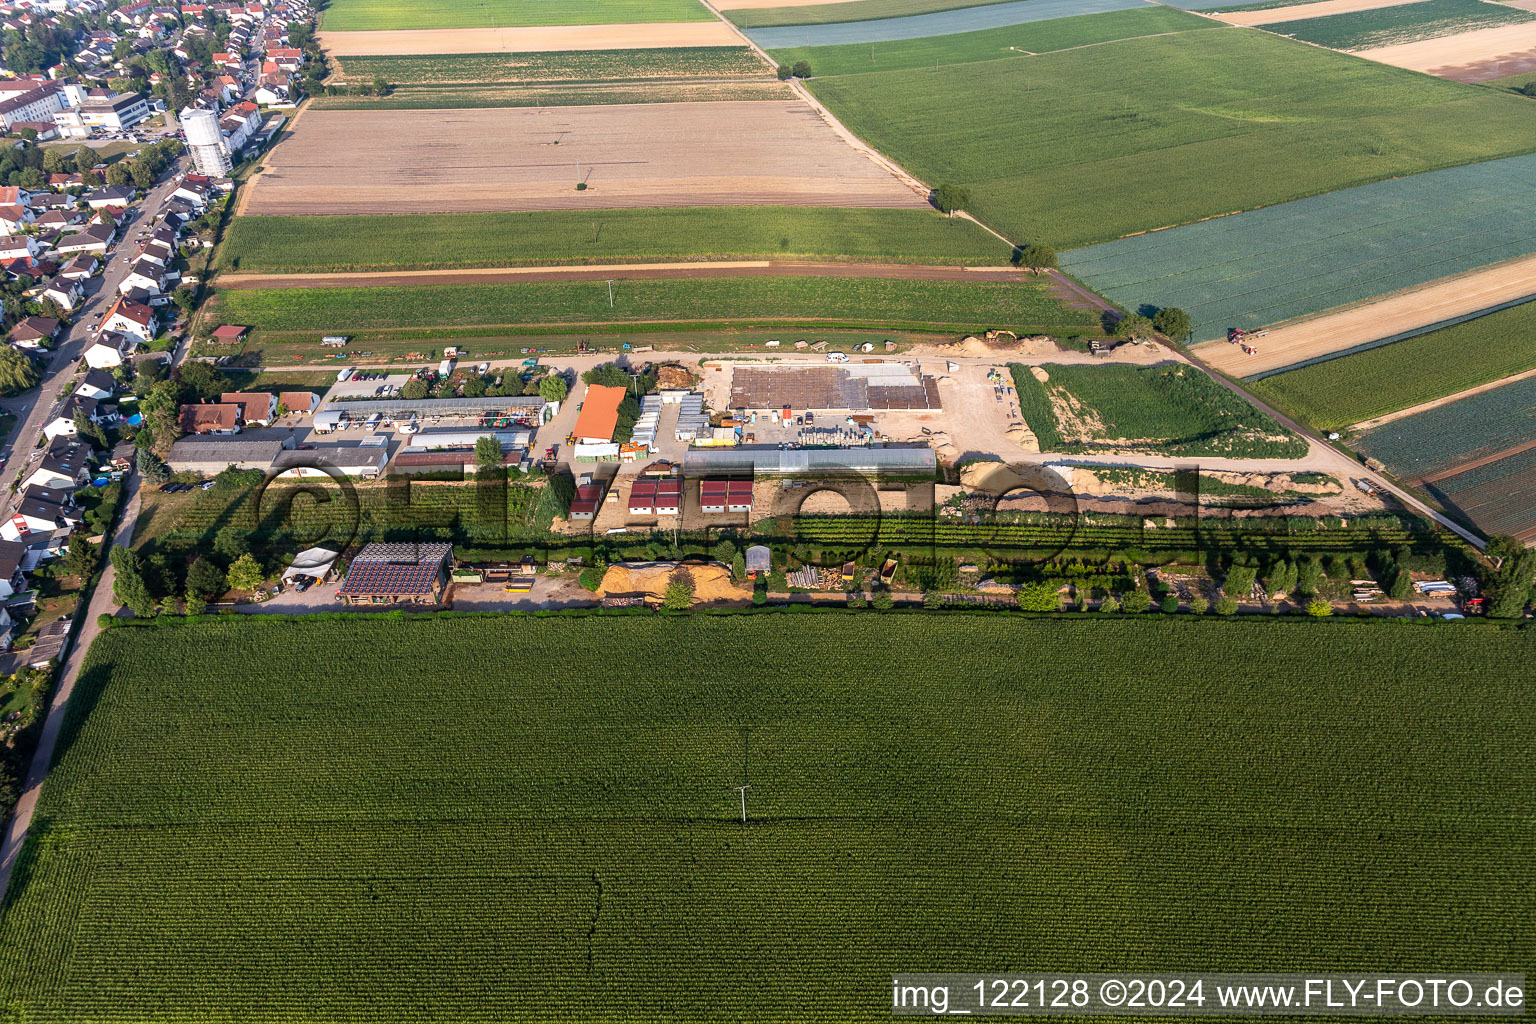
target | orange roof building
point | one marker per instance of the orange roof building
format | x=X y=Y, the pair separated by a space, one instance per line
x=599 y=415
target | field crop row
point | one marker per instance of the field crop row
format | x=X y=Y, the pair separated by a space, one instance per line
x=1499 y=497
x=851 y=10
x=1319 y=253
x=1443 y=438
x=498 y=830
x=1172 y=409
x=1336 y=393
x=1066 y=148
x=375 y=15
x=1404 y=23
x=992 y=44
x=556 y=66
x=874 y=301
x=470 y=97
x=941 y=23
x=429 y=241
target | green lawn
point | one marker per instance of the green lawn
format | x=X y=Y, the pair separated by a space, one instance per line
x=1170 y=410
x=1069 y=148
x=505 y=831
x=992 y=43
x=371 y=15
x=556 y=66
x=856 y=301
x=1373 y=383
x=405 y=241
x=852 y=10
x=1405 y=23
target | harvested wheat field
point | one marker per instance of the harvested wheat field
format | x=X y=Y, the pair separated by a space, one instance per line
x=528 y=40
x=711 y=583
x=1321 y=9
x=1295 y=343
x=1479 y=56
x=532 y=158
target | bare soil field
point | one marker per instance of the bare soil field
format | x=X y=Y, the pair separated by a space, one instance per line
x=1340 y=331
x=737 y=5
x=1479 y=56
x=1271 y=15
x=529 y=40
x=532 y=158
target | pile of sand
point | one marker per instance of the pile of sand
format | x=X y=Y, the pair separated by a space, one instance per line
x=711 y=582
x=1040 y=374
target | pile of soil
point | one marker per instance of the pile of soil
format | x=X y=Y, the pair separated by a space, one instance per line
x=711 y=582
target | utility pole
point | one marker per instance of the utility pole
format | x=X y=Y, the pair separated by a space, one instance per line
x=742 y=789
x=610 y=294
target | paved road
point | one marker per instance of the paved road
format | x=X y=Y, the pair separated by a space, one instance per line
x=32 y=409
x=101 y=603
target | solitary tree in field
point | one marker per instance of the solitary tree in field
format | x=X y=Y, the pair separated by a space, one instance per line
x=1171 y=322
x=802 y=69
x=1133 y=326
x=785 y=72
x=950 y=198
x=1036 y=257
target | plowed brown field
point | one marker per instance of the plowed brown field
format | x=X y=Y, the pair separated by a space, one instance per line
x=531 y=158
x=1479 y=56
x=528 y=40
x=1271 y=15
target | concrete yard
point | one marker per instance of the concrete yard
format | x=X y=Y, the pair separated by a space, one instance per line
x=531 y=158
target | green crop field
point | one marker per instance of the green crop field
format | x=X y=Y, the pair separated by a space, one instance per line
x=992 y=44
x=467 y=819
x=372 y=15
x=1514 y=83
x=1448 y=437
x=852 y=10
x=418 y=241
x=556 y=66
x=872 y=301
x=1405 y=23
x=1171 y=409
x=1068 y=149
x=439 y=97
x=1336 y=393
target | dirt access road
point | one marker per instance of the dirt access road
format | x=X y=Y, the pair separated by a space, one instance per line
x=1339 y=331
x=617 y=272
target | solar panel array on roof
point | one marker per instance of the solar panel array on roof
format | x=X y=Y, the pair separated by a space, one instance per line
x=435 y=552
x=876 y=386
x=390 y=579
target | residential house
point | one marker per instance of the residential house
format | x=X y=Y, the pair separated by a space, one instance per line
x=110 y=197
x=298 y=403
x=97 y=384
x=17 y=247
x=62 y=422
x=274 y=89
x=35 y=332
x=59 y=220
x=33 y=270
x=12 y=580
x=95 y=239
x=210 y=418
x=196 y=189
x=131 y=318
x=41 y=511
x=148 y=276
x=81 y=267
x=14 y=218
x=256 y=408
x=66 y=292
x=111 y=349
x=66 y=465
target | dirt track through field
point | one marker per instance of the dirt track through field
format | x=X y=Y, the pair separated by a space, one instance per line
x=1340 y=331
x=528 y=40
x=1299 y=11
x=624 y=271
x=1479 y=56
x=771 y=152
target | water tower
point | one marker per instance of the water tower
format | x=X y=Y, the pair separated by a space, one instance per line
x=206 y=142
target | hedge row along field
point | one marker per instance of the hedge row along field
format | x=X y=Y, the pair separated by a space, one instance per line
x=1068 y=149
x=429 y=241
x=1449 y=436
x=470 y=97
x=1368 y=384
x=991 y=44
x=1171 y=409
x=1405 y=23
x=872 y=301
x=556 y=66
x=1323 y=252
x=399 y=820
x=942 y=23
x=372 y=15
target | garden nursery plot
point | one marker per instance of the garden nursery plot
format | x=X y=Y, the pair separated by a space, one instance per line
x=592 y=158
x=1334 y=394
x=863 y=301
x=1171 y=409
x=1320 y=253
x=367 y=15
x=1499 y=497
x=942 y=23
x=339 y=839
x=1067 y=149
x=422 y=241
x=558 y=66
x=1404 y=23
x=1446 y=440
x=1019 y=42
